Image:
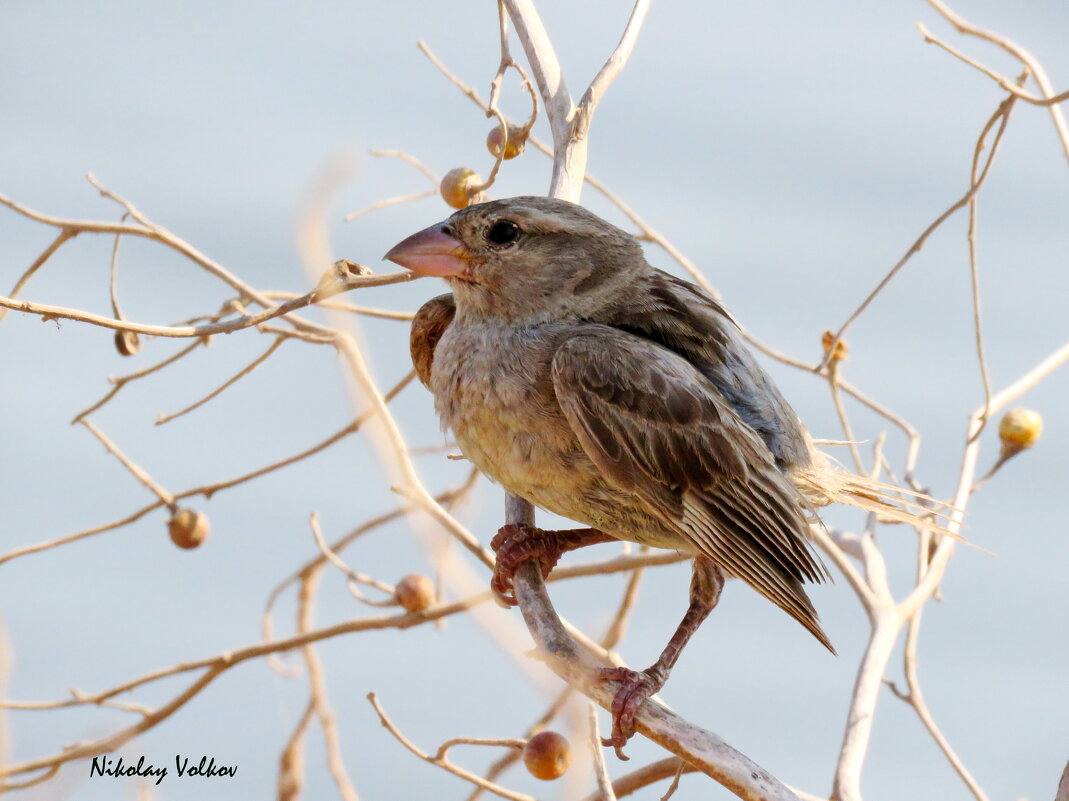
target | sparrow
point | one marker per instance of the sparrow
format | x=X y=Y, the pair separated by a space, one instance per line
x=597 y=387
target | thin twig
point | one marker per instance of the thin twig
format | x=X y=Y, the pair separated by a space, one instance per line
x=135 y=470
x=113 y=275
x=215 y=393
x=123 y=380
x=515 y=743
x=610 y=70
x=1001 y=115
x=840 y=410
x=48 y=312
x=390 y=201
x=442 y=762
x=206 y=490
x=1005 y=83
x=318 y=686
x=367 y=311
x=354 y=577
x=915 y=698
x=645 y=776
x=1025 y=57
x=291 y=762
x=63 y=235
x=407 y=159
x=974 y=272
x=601 y=772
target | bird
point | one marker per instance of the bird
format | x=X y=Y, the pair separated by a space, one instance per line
x=595 y=386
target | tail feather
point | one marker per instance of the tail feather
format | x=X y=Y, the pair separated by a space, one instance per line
x=823 y=484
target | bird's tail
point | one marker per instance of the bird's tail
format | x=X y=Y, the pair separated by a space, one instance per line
x=822 y=484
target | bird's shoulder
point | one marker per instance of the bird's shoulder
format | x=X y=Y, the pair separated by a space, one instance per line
x=428 y=326
x=685 y=320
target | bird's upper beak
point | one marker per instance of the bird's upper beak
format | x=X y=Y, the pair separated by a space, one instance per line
x=431 y=252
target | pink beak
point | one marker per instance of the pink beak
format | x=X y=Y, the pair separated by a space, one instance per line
x=430 y=252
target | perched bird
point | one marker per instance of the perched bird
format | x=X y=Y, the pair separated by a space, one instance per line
x=597 y=387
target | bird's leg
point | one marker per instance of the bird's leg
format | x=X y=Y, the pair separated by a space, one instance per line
x=515 y=543
x=636 y=686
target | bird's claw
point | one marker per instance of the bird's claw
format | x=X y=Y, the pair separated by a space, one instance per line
x=515 y=544
x=636 y=687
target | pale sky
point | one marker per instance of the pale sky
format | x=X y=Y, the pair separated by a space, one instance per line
x=793 y=151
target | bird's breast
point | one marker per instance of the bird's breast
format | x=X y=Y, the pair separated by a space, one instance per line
x=493 y=388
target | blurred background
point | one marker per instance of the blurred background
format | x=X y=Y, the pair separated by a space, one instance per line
x=793 y=151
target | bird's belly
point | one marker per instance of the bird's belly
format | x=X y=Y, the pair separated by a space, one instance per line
x=499 y=402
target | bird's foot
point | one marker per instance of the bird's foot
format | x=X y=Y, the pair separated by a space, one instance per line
x=516 y=543
x=636 y=687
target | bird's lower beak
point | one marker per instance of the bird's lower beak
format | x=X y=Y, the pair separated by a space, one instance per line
x=431 y=252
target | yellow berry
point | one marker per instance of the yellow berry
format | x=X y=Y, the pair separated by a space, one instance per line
x=188 y=528
x=127 y=342
x=840 y=349
x=1020 y=429
x=547 y=755
x=459 y=187
x=517 y=141
x=415 y=592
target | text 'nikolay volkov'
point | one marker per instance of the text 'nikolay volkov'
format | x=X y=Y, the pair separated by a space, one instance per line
x=117 y=768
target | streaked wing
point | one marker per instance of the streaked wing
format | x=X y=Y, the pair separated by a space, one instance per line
x=685 y=320
x=428 y=325
x=655 y=426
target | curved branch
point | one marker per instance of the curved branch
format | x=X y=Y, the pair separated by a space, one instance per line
x=964 y=26
x=569 y=160
x=703 y=749
x=48 y=312
x=610 y=70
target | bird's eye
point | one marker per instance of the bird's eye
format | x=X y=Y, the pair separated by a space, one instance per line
x=503 y=232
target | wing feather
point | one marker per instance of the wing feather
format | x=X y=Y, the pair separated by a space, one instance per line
x=657 y=427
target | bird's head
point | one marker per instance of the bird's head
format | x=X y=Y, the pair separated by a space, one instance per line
x=533 y=259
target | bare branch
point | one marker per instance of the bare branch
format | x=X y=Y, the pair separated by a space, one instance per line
x=601 y=772
x=291 y=762
x=1004 y=82
x=318 y=684
x=915 y=698
x=610 y=70
x=440 y=759
x=137 y=472
x=1001 y=116
x=390 y=201
x=701 y=748
x=63 y=235
x=1025 y=57
x=645 y=776
x=354 y=577
x=215 y=393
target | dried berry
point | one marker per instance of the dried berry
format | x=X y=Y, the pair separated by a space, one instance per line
x=127 y=342
x=840 y=348
x=517 y=141
x=1019 y=429
x=415 y=592
x=459 y=187
x=547 y=755
x=188 y=528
